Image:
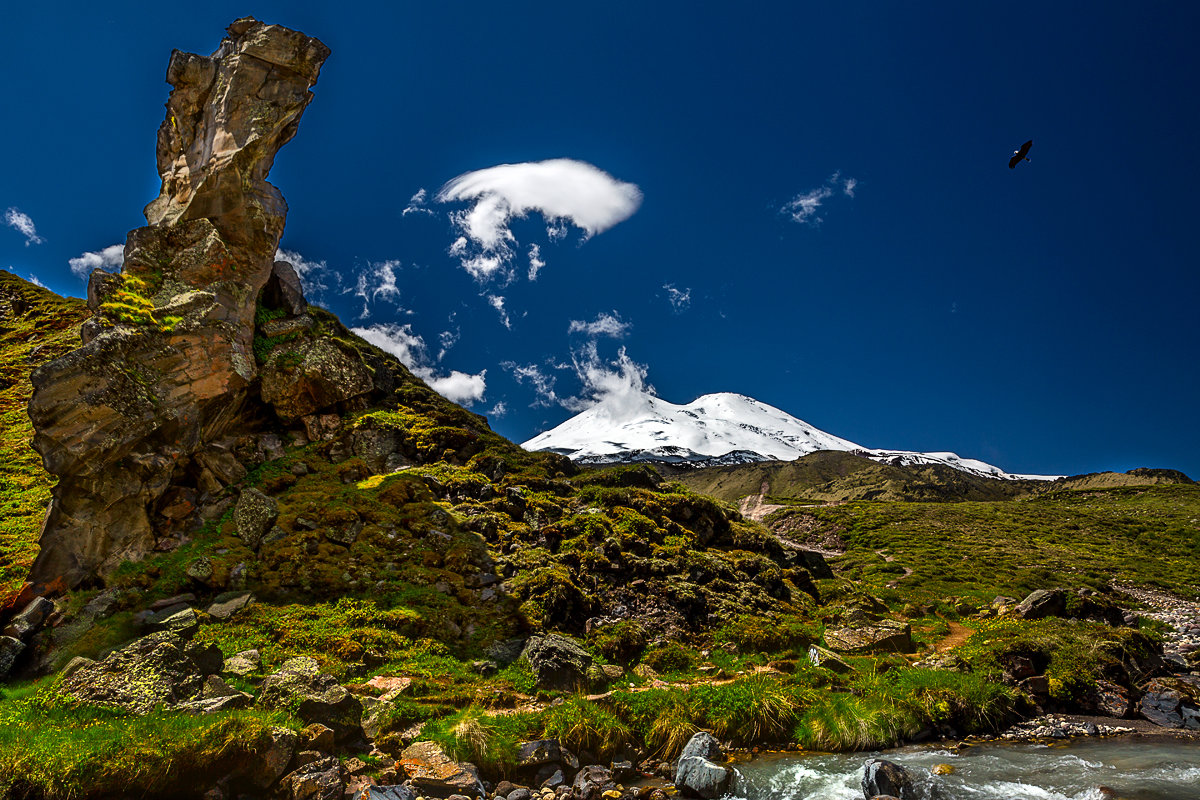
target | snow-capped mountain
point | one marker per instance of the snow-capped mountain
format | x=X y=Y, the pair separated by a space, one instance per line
x=715 y=429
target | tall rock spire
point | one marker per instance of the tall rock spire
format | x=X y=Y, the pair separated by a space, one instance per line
x=145 y=414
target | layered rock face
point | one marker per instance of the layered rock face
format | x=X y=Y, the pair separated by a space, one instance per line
x=140 y=423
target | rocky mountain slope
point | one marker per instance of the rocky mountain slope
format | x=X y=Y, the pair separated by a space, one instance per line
x=714 y=430
x=278 y=565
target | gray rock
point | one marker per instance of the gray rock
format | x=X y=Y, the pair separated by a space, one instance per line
x=30 y=618
x=520 y=793
x=200 y=570
x=1043 y=603
x=10 y=648
x=227 y=608
x=147 y=672
x=274 y=760
x=78 y=662
x=555 y=780
x=243 y=663
x=254 y=515
x=882 y=778
x=433 y=772
x=886 y=635
x=207 y=657
x=181 y=623
x=558 y=662
x=386 y=793
x=593 y=781
x=696 y=774
x=315 y=697
x=820 y=657
x=539 y=752
x=318 y=780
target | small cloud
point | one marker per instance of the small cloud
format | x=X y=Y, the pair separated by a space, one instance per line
x=542 y=382
x=110 y=258
x=561 y=190
x=535 y=261
x=803 y=207
x=408 y=346
x=618 y=384
x=603 y=325
x=15 y=218
x=376 y=282
x=416 y=205
x=497 y=303
x=316 y=277
x=498 y=410
x=954 y=307
x=680 y=299
x=448 y=339
x=34 y=280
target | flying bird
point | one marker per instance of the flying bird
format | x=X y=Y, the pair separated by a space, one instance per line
x=1020 y=155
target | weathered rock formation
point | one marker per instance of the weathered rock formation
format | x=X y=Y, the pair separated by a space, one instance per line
x=139 y=423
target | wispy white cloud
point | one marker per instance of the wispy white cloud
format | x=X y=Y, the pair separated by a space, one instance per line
x=619 y=383
x=498 y=410
x=603 y=325
x=110 y=258
x=408 y=346
x=36 y=281
x=447 y=339
x=535 y=261
x=803 y=207
x=497 y=302
x=541 y=379
x=377 y=281
x=15 y=218
x=416 y=204
x=680 y=299
x=316 y=277
x=562 y=190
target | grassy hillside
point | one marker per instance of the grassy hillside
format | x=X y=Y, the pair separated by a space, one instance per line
x=36 y=326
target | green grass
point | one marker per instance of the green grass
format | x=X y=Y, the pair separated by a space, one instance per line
x=53 y=746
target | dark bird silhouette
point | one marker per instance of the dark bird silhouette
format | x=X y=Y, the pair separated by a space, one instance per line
x=1020 y=155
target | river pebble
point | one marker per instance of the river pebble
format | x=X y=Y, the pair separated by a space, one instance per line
x=1052 y=726
x=1181 y=616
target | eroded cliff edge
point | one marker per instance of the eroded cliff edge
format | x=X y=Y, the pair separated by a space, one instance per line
x=139 y=424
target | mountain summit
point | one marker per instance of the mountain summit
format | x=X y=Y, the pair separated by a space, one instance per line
x=715 y=429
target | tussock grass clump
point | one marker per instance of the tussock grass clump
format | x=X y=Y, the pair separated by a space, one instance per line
x=488 y=740
x=580 y=724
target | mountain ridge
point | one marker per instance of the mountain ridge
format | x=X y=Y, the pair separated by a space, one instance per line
x=718 y=429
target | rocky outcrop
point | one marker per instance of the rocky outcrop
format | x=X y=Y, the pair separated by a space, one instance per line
x=159 y=669
x=883 y=636
x=314 y=697
x=167 y=374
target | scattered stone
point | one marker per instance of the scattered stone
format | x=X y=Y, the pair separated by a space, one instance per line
x=1111 y=700
x=390 y=686
x=820 y=657
x=1171 y=703
x=243 y=663
x=224 y=609
x=254 y=515
x=316 y=697
x=881 y=777
x=387 y=793
x=201 y=570
x=318 y=780
x=183 y=623
x=537 y=753
x=1052 y=726
x=592 y=782
x=317 y=737
x=78 y=662
x=433 y=772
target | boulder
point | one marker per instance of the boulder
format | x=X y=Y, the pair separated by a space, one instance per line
x=592 y=782
x=386 y=793
x=883 y=778
x=10 y=648
x=227 y=607
x=320 y=779
x=883 y=636
x=30 y=618
x=696 y=772
x=820 y=657
x=182 y=623
x=254 y=515
x=1111 y=700
x=558 y=662
x=168 y=365
x=1171 y=703
x=150 y=671
x=299 y=685
x=539 y=752
x=1042 y=603
x=433 y=772
x=243 y=663
x=273 y=761
x=315 y=373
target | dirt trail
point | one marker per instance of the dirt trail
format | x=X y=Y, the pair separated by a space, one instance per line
x=755 y=506
x=958 y=634
x=890 y=558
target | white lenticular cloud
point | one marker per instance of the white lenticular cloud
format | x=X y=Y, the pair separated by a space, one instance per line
x=15 y=218
x=562 y=190
x=110 y=258
x=603 y=325
x=408 y=346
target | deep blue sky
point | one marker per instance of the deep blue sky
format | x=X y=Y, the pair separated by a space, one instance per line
x=1044 y=319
